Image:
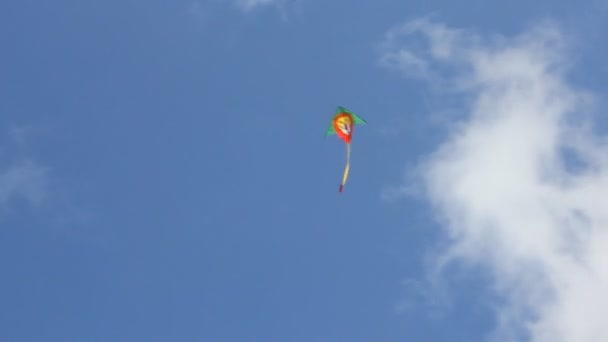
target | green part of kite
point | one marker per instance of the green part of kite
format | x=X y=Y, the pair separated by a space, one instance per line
x=358 y=120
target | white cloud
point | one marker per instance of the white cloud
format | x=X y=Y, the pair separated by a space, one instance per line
x=520 y=186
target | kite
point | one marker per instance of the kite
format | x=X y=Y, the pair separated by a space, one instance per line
x=343 y=124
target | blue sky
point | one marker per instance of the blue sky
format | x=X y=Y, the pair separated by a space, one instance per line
x=164 y=176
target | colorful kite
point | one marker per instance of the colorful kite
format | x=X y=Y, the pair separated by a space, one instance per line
x=343 y=125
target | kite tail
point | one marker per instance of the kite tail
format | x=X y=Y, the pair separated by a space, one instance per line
x=347 y=167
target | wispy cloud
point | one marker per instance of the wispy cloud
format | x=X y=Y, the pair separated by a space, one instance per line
x=26 y=180
x=197 y=10
x=21 y=178
x=206 y=10
x=519 y=185
x=249 y=5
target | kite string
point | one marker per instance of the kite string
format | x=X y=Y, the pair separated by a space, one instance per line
x=347 y=168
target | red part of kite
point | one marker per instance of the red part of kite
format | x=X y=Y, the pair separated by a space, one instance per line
x=344 y=125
